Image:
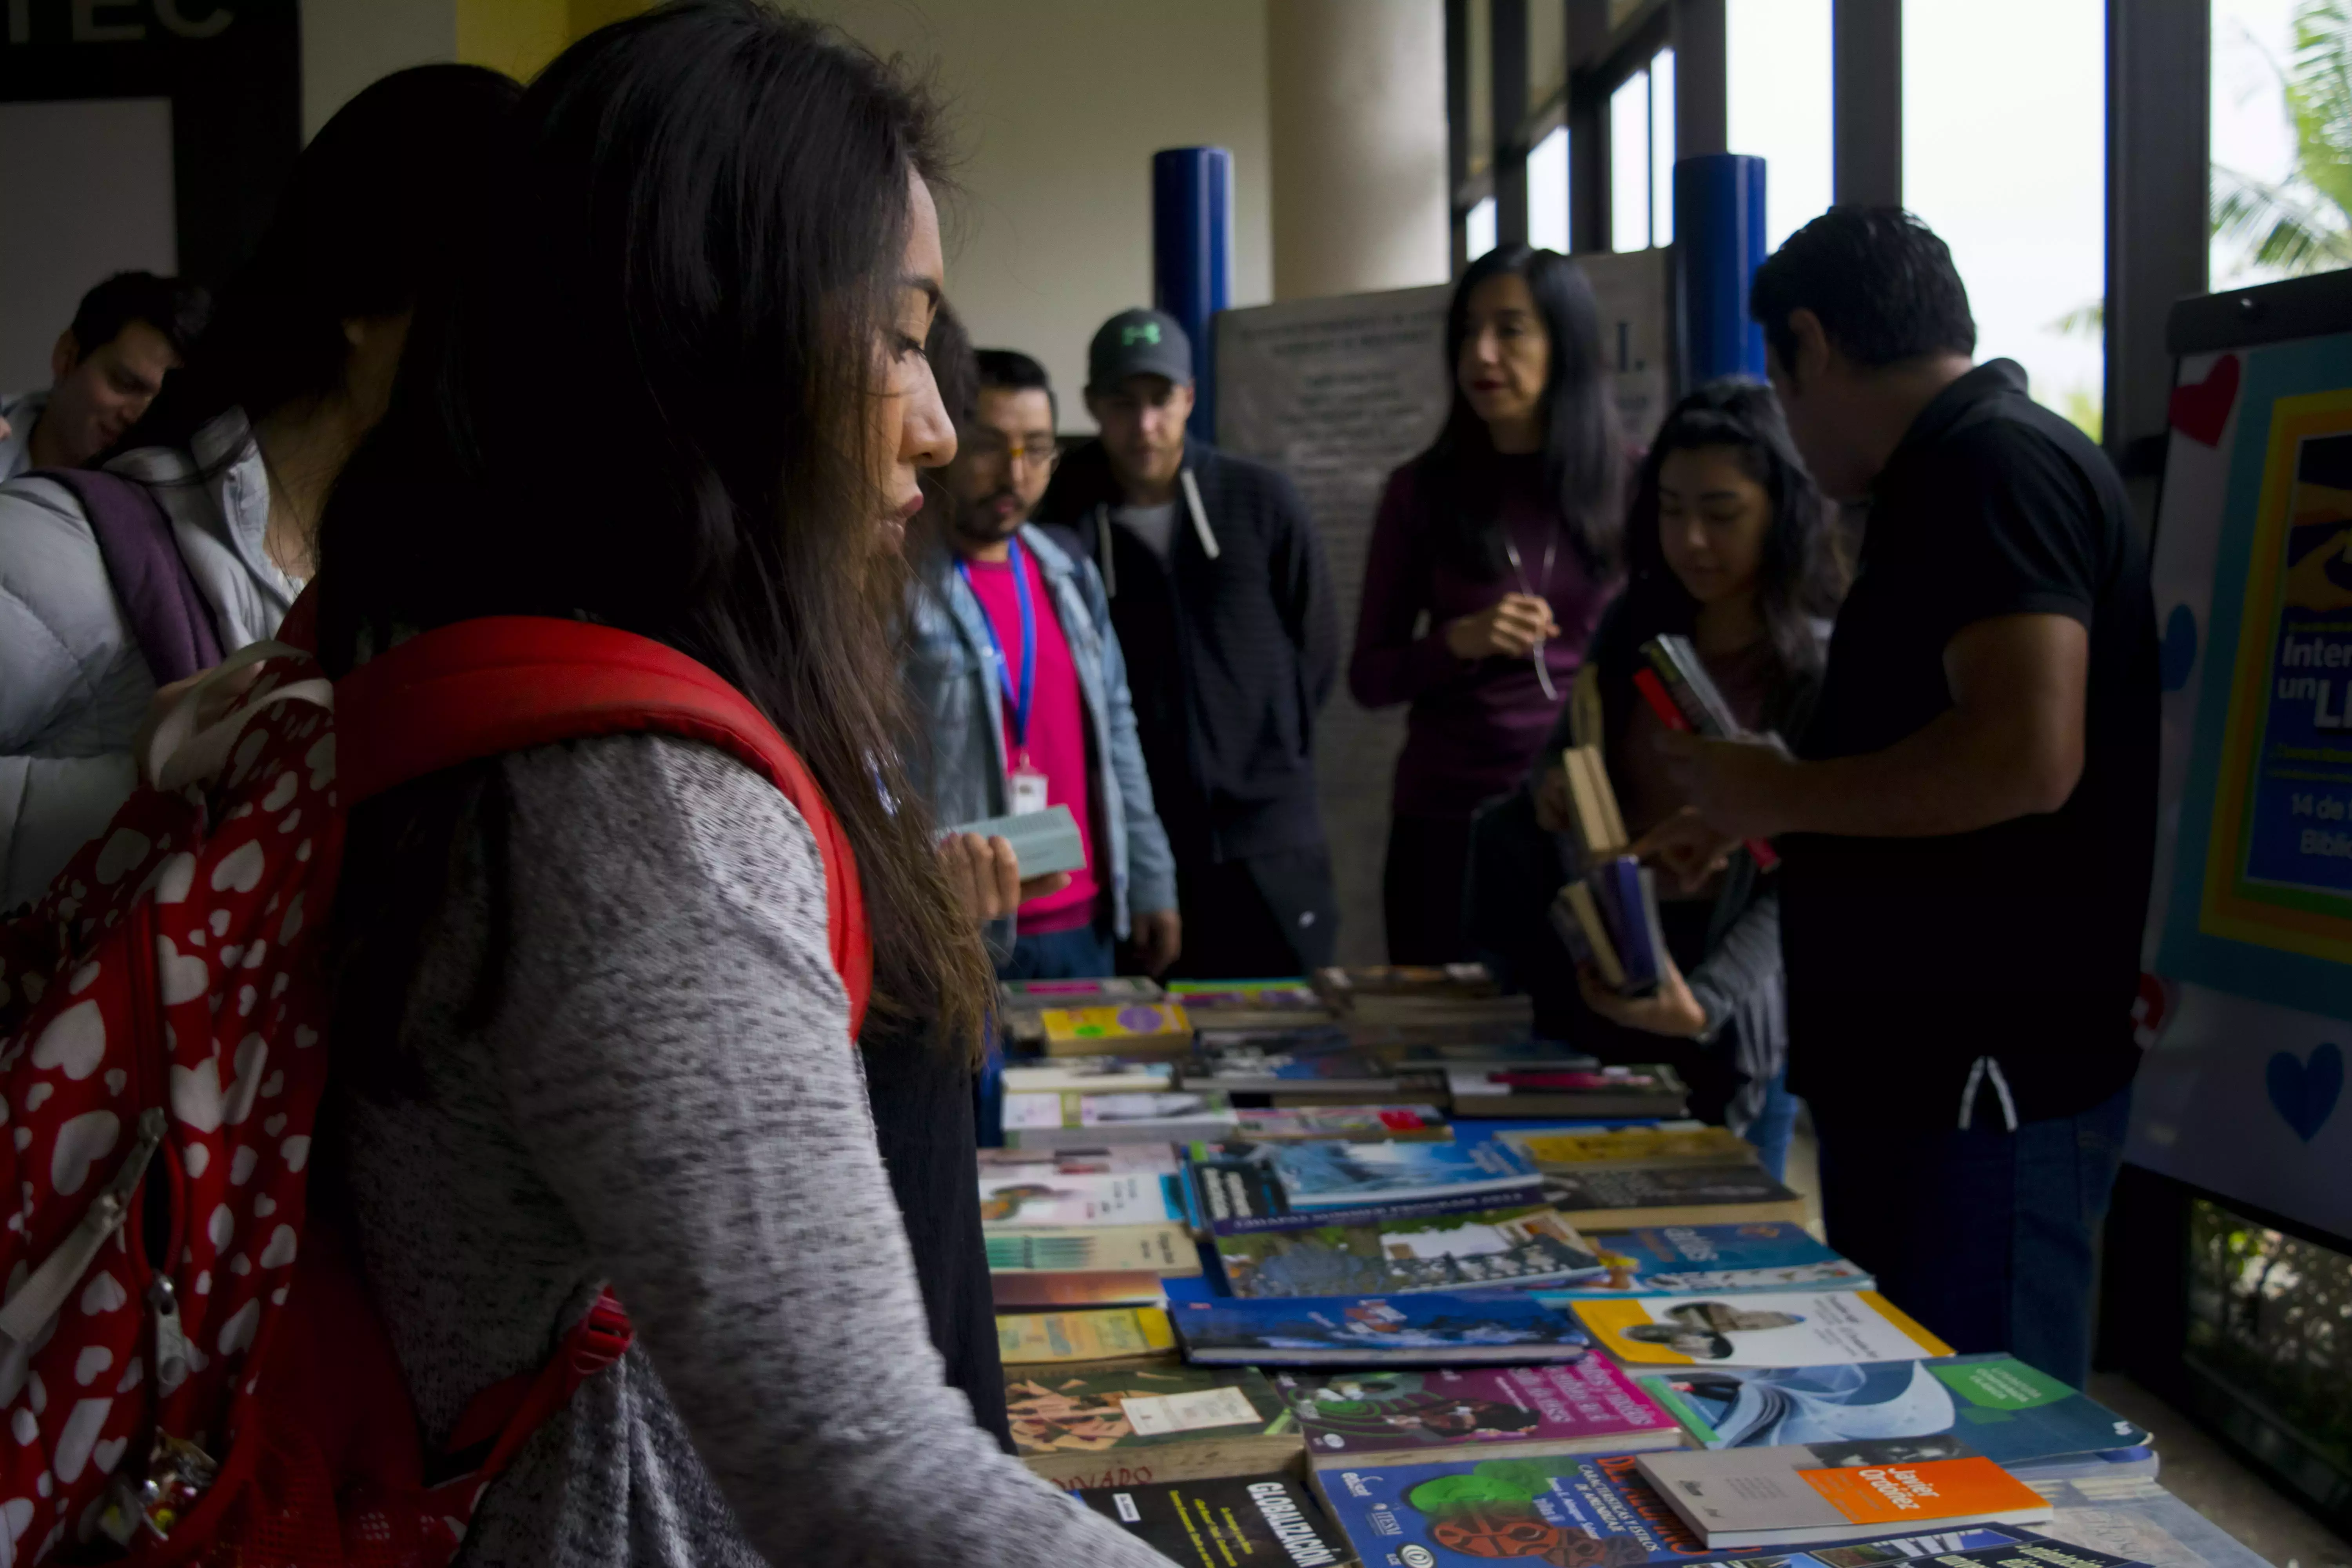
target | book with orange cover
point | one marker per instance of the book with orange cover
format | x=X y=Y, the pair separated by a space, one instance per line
x=1804 y=1493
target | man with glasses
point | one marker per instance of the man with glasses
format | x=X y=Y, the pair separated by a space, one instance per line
x=1018 y=680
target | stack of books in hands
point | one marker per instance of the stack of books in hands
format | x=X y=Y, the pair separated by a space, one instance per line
x=1608 y=917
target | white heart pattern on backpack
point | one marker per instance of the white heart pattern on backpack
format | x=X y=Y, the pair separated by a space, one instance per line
x=175 y=876
x=321 y=758
x=183 y=977
x=80 y=1434
x=281 y=1248
x=240 y=868
x=102 y=1295
x=280 y=792
x=237 y=1333
x=252 y=1056
x=75 y=1041
x=196 y=1100
x=88 y=1137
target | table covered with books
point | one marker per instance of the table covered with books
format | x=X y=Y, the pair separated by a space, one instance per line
x=1352 y=1269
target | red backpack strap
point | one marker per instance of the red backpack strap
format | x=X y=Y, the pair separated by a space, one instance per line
x=503 y=683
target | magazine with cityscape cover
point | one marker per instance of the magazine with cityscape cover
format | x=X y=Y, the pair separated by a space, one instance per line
x=1031 y=1197
x=1289 y=1061
x=1768 y=1330
x=1500 y=1326
x=1673 y=1195
x=1514 y=1245
x=1713 y=1260
x=1805 y=1494
x=1408 y=1414
x=1259 y=1521
x=1991 y=1405
x=1240 y=1191
x=1349 y=1123
x=1089 y=1075
x=1105 y=1333
x=1089 y=1427
x=1569 y=1512
x=1048 y=1119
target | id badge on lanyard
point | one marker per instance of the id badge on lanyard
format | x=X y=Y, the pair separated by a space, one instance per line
x=1025 y=785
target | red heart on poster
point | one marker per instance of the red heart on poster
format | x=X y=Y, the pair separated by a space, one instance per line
x=2201 y=408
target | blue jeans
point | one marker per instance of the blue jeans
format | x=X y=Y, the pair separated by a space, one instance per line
x=1082 y=953
x=1988 y=1237
x=1773 y=1126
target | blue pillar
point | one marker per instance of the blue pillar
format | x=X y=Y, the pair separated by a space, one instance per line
x=1719 y=244
x=1192 y=257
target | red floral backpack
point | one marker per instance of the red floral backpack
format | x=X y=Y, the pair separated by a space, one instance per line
x=161 y=1071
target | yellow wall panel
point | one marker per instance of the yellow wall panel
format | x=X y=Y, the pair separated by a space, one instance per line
x=517 y=36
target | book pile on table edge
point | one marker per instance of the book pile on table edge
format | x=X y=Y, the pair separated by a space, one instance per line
x=1518 y=1334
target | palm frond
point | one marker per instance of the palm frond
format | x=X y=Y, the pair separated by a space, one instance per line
x=2286 y=229
x=2088 y=321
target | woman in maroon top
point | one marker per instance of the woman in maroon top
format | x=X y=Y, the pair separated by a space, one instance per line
x=1492 y=558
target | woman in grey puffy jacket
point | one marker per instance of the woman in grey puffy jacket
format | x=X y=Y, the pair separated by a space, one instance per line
x=239 y=452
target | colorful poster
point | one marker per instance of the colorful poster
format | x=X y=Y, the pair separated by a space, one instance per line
x=2246 y=1009
x=2278 y=870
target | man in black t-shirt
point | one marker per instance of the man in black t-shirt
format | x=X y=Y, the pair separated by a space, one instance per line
x=1969 y=821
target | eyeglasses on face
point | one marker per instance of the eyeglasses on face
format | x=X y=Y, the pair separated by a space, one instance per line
x=992 y=446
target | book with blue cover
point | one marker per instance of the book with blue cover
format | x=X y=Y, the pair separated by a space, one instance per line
x=1991 y=1406
x=1713 y=1260
x=1242 y=1188
x=1520 y=1245
x=1501 y=1327
x=1575 y=1510
x=1330 y=1175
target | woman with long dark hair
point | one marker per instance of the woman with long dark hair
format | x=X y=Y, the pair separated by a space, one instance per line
x=1492 y=557
x=588 y=1030
x=1729 y=543
x=238 y=451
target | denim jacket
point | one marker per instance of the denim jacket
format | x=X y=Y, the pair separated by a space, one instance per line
x=956 y=697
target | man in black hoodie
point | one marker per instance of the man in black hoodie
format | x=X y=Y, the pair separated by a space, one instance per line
x=1221 y=600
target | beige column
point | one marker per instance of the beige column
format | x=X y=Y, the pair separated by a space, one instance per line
x=1355 y=93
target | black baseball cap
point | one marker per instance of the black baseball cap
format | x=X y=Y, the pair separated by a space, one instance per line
x=1138 y=343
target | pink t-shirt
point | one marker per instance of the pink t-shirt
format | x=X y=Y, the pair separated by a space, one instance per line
x=1057 y=727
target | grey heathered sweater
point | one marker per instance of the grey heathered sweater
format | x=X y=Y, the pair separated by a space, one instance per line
x=667 y=1098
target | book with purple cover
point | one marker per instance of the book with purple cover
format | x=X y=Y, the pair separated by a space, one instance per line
x=1411 y=1415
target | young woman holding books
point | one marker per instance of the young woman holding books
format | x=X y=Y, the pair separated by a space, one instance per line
x=588 y=1025
x=1730 y=544
x=1490 y=562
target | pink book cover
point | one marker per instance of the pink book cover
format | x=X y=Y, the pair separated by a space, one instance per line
x=1585 y=1406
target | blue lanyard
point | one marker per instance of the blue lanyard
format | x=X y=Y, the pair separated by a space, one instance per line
x=1016 y=708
